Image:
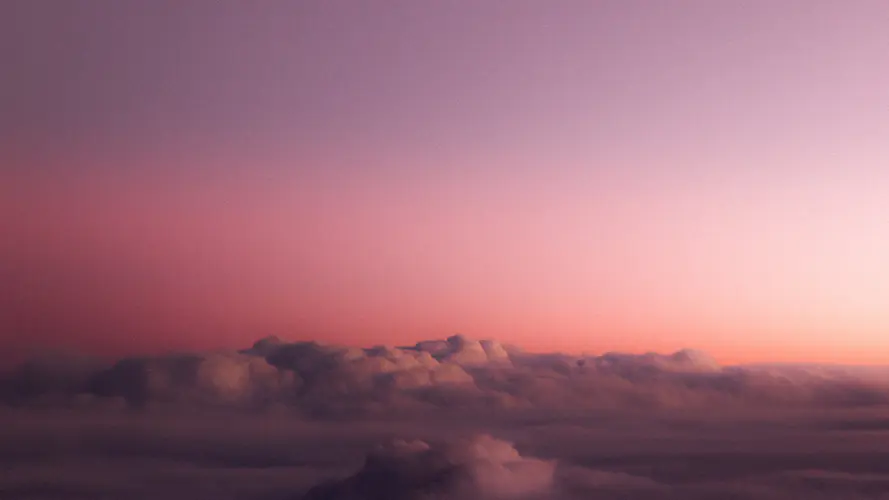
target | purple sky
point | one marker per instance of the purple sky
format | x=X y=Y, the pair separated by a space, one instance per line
x=564 y=174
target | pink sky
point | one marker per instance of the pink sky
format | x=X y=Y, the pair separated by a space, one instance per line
x=563 y=175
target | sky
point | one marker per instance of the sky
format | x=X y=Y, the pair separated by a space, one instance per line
x=564 y=175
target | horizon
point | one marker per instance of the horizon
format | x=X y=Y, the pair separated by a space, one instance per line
x=111 y=356
x=449 y=249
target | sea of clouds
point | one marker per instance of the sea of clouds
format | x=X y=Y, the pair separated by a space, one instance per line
x=445 y=419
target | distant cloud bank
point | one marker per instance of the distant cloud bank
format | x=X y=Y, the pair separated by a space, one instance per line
x=318 y=380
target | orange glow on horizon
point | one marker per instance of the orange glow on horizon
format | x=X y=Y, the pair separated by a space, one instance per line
x=586 y=178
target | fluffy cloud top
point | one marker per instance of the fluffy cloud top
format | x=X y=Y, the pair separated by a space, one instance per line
x=207 y=378
x=480 y=467
x=456 y=373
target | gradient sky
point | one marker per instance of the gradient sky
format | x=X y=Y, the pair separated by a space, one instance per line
x=573 y=175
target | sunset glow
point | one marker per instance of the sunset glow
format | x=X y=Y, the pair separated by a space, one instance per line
x=575 y=176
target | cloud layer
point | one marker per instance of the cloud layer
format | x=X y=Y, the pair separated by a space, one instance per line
x=67 y=454
x=454 y=374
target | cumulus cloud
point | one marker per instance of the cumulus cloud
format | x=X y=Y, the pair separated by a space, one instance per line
x=479 y=467
x=459 y=349
x=208 y=378
x=453 y=374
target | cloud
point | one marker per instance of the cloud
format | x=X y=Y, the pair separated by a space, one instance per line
x=578 y=481
x=456 y=374
x=459 y=349
x=686 y=360
x=223 y=378
x=478 y=467
x=655 y=455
